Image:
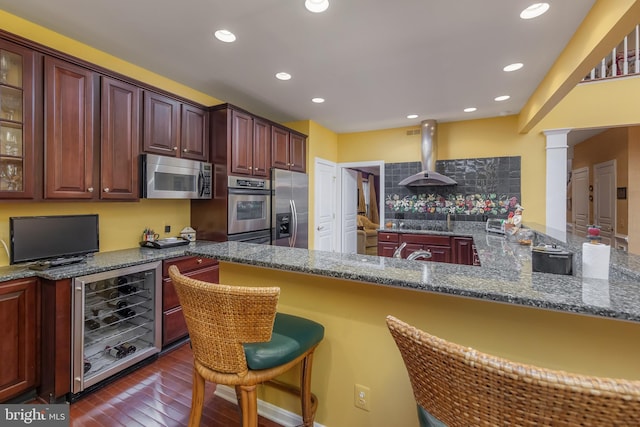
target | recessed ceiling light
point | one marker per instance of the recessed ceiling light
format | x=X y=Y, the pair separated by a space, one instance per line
x=502 y=98
x=225 y=36
x=283 y=76
x=316 y=6
x=470 y=109
x=535 y=10
x=412 y=116
x=317 y=100
x=513 y=67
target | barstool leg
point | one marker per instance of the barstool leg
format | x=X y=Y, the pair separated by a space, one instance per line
x=307 y=399
x=249 y=402
x=197 y=399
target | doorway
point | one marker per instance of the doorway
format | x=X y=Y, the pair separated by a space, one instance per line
x=325 y=192
x=580 y=200
x=348 y=188
x=604 y=199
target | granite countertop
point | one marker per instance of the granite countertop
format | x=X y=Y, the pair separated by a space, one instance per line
x=504 y=275
x=99 y=262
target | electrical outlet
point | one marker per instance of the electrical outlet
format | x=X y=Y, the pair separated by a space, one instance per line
x=362 y=397
x=167 y=229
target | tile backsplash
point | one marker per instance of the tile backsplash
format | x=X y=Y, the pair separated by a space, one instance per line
x=487 y=187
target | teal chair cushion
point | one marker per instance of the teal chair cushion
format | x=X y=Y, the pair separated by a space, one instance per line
x=292 y=336
x=428 y=420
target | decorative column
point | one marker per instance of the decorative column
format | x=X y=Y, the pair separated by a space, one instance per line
x=556 y=191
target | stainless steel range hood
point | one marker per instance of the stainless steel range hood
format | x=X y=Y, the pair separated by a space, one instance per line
x=428 y=176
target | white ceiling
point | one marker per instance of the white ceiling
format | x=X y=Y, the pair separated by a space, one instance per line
x=374 y=61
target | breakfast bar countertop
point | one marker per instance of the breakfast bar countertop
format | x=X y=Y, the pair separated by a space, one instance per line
x=504 y=275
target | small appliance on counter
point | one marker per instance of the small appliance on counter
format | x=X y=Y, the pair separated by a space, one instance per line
x=495 y=225
x=188 y=233
x=551 y=259
x=151 y=239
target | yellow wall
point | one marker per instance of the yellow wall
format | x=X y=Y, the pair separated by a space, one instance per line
x=16 y=25
x=633 y=190
x=321 y=143
x=121 y=224
x=359 y=349
x=603 y=28
x=492 y=137
x=591 y=152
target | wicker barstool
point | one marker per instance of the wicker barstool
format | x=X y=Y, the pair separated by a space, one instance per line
x=459 y=386
x=239 y=340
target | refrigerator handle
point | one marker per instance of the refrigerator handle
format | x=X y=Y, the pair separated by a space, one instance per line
x=295 y=223
x=292 y=223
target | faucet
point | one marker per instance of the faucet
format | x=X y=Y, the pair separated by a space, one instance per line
x=420 y=253
x=398 y=252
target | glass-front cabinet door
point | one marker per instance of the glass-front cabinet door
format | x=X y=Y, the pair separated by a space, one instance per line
x=16 y=121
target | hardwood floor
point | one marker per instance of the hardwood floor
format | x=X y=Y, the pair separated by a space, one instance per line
x=158 y=394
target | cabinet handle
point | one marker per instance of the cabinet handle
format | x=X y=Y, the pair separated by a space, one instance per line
x=175 y=148
x=90 y=189
x=106 y=190
x=199 y=260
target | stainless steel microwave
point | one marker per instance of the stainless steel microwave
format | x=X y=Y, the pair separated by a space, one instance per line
x=171 y=178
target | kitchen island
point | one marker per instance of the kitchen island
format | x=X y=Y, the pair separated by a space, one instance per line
x=501 y=307
x=560 y=322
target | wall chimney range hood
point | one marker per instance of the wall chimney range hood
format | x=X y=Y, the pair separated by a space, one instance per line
x=428 y=176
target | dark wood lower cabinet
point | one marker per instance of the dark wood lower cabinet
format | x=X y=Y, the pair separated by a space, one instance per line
x=19 y=337
x=451 y=249
x=174 y=326
x=55 y=378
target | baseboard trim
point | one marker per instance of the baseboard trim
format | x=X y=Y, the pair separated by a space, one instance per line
x=265 y=409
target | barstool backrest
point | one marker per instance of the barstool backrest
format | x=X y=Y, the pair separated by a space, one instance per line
x=464 y=387
x=221 y=318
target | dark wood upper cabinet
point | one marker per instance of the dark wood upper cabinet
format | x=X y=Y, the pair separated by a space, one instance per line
x=241 y=140
x=241 y=143
x=19 y=338
x=17 y=121
x=280 y=148
x=288 y=150
x=297 y=152
x=175 y=129
x=120 y=140
x=261 y=147
x=194 y=141
x=161 y=124
x=69 y=130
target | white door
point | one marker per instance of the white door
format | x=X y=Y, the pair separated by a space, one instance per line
x=325 y=206
x=349 y=191
x=604 y=203
x=580 y=200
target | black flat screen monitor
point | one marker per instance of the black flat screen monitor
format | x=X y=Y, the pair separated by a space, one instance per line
x=35 y=238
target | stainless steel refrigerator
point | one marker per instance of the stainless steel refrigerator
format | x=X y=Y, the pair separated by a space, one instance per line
x=289 y=208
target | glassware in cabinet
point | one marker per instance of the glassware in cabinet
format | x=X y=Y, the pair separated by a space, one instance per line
x=16 y=121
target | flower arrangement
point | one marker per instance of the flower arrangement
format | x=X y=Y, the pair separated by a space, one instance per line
x=470 y=204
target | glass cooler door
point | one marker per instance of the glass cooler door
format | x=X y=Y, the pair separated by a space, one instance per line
x=116 y=322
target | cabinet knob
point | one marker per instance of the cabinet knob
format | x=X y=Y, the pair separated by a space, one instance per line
x=184 y=150
x=90 y=189
x=199 y=260
x=175 y=148
x=250 y=168
x=106 y=190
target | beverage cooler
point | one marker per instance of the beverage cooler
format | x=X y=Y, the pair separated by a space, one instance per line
x=116 y=322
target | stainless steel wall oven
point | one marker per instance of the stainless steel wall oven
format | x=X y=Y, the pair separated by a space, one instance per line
x=249 y=207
